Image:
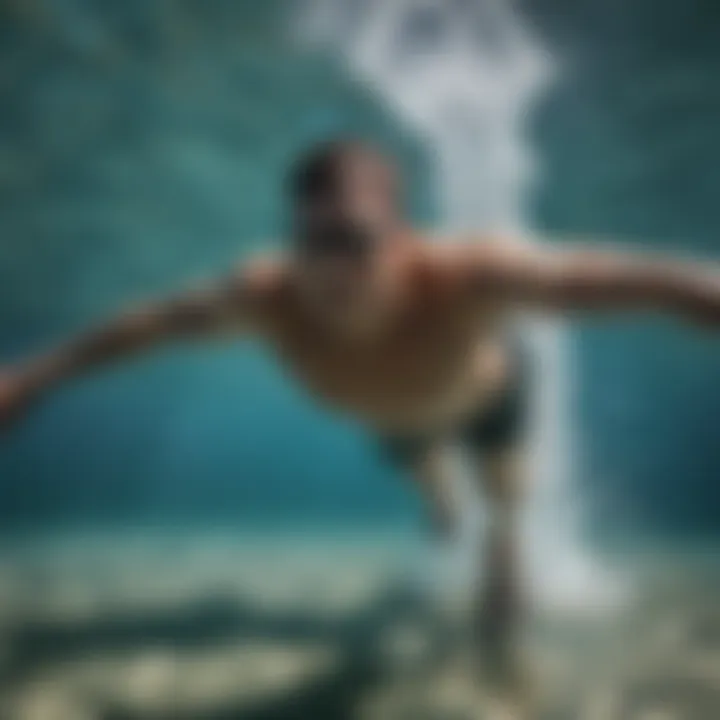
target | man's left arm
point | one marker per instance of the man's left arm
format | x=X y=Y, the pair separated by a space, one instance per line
x=587 y=278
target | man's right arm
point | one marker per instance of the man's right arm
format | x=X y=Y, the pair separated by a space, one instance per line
x=229 y=306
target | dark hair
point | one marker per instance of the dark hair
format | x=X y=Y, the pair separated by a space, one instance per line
x=316 y=173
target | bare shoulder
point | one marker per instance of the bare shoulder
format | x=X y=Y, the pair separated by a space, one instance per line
x=461 y=257
x=261 y=283
x=263 y=277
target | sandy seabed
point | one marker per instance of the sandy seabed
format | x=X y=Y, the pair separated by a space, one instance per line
x=212 y=626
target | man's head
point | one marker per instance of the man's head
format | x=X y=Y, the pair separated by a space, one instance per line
x=345 y=213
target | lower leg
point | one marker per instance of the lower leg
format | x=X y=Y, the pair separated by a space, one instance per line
x=499 y=598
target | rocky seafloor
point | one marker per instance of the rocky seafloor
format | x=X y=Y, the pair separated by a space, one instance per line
x=178 y=626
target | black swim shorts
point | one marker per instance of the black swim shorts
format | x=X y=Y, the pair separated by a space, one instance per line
x=496 y=427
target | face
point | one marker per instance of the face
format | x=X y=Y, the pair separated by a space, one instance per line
x=342 y=238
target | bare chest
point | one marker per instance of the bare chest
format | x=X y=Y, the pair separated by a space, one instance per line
x=423 y=363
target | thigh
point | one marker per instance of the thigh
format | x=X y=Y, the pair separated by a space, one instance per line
x=502 y=474
x=497 y=438
x=433 y=474
x=427 y=462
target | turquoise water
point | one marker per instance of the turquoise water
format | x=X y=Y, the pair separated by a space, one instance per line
x=188 y=536
x=143 y=146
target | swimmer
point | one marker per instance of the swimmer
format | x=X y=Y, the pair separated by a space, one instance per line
x=407 y=335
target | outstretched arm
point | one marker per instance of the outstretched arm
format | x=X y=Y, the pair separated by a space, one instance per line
x=586 y=278
x=224 y=306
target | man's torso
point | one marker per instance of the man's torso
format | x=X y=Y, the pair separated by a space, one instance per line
x=440 y=358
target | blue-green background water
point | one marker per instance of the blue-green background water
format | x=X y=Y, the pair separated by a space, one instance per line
x=143 y=144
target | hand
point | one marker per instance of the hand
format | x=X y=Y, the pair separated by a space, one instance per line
x=17 y=391
x=707 y=315
x=703 y=304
